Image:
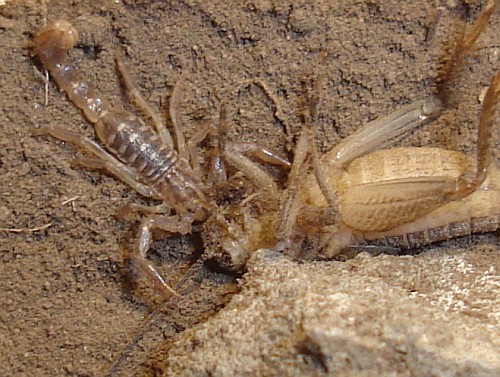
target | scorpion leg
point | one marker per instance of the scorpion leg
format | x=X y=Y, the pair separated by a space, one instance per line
x=233 y=153
x=174 y=117
x=100 y=160
x=138 y=100
x=192 y=145
x=253 y=172
x=131 y=208
x=264 y=154
x=170 y=224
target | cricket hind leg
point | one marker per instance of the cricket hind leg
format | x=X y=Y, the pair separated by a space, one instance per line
x=452 y=65
x=490 y=103
x=484 y=141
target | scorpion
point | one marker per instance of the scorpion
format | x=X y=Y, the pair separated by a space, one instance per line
x=134 y=153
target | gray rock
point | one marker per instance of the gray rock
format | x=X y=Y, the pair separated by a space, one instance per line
x=430 y=315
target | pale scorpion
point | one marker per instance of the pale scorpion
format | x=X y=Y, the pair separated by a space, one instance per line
x=145 y=160
x=133 y=152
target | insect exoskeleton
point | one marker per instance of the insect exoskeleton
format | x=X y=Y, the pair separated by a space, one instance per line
x=389 y=187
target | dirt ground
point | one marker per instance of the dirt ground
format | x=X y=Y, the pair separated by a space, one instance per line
x=70 y=301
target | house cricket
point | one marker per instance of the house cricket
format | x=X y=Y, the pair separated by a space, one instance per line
x=359 y=194
x=406 y=197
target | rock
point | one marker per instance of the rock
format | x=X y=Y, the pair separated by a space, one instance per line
x=369 y=316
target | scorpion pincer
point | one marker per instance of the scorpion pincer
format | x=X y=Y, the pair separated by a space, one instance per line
x=133 y=152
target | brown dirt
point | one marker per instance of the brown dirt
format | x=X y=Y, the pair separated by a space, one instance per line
x=67 y=304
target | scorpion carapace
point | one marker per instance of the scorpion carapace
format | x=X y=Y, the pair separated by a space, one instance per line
x=133 y=151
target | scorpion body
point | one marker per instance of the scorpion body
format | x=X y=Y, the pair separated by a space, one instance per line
x=137 y=155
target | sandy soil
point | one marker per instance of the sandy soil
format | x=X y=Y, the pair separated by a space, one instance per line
x=70 y=302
